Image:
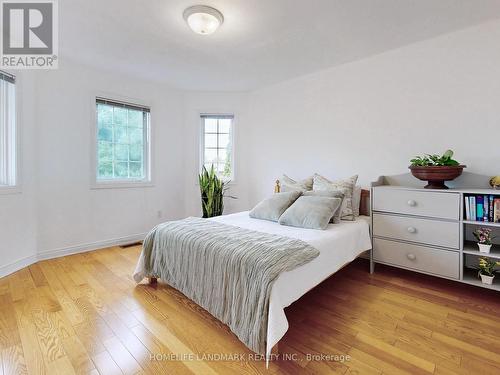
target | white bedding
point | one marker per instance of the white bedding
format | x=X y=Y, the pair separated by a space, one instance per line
x=338 y=245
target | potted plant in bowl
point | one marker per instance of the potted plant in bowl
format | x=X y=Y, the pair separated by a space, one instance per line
x=483 y=237
x=487 y=270
x=436 y=169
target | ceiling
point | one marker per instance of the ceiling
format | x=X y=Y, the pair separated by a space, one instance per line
x=261 y=41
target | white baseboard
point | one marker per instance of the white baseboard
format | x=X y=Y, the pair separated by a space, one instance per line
x=17 y=265
x=56 y=253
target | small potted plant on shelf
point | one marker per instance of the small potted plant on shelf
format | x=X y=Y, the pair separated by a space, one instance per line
x=486 y=270
x=436 y=169
x=483 y=237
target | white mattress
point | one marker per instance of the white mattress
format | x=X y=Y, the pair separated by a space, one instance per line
x=338 y=245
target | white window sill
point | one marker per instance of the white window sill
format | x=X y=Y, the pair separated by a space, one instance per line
x=121 y=184
x=5 y=190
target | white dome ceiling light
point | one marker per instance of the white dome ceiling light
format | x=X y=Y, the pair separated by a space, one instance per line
x=203 y=19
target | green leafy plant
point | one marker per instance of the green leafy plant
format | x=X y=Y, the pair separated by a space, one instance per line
x=434 y=160
x=213 y=191
x=487 y=266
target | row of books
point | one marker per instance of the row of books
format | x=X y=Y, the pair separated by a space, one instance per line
x=482 y=208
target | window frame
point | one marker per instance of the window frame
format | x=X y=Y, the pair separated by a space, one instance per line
x=201 y=163
x=15 y=188
x=147 y=181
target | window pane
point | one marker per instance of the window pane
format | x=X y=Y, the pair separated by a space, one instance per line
x=121 y=134
x=210 y=140
x=105 y=169
x=135 y=118
x=136 y=136
x=210 y=155
x=210 y=125
x=222 y=155
x=136 y=152
x=105 y=134
x=121 y=169
x=220 y=167
x=136 y=170
x=121 y=152
x=120 y=116
x=225 y=125
x=104 y=115
x=105 y=151
x=223 y=140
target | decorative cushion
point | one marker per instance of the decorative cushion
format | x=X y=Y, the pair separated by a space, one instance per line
x=346 y=186
x=310 y=212
x=288 y=184
x=330 y=194
x=272 y=208
x=356 y=200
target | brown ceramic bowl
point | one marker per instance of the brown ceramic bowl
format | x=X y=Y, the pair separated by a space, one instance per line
x=437 y=175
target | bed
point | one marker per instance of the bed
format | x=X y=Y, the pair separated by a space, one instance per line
x=338 y=245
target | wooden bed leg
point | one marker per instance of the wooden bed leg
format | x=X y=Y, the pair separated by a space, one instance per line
x=153 y=280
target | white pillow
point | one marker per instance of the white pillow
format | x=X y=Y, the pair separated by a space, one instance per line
x=356 y=200
x=346 y=186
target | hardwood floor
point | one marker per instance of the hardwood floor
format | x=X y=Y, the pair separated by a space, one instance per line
x=83 y=314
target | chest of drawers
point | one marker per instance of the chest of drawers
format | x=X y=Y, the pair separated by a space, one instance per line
x=417 y=230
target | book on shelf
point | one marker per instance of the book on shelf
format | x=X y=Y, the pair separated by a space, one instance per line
x=479 y=208
x=467 y=208
x=496 y=208
x=491 y=208
x=482 y=208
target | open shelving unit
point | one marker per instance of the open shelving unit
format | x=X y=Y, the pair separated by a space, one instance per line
x=470 y=250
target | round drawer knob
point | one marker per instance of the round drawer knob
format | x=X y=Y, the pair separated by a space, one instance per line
x=411 y=256
x=412 y=230
x=411 y=203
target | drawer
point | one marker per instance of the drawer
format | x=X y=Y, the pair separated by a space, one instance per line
x=420 y=203
x=438 y=262
x=425 y=231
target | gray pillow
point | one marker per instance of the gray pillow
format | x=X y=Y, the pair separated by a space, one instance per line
x=272 y=208
x=311 y=212
x=331 y=194
x=289 y=184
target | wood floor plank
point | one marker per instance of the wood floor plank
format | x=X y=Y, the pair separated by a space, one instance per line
x=105 y=364
x=121 y=356
x=13 y=361
x=78 y=356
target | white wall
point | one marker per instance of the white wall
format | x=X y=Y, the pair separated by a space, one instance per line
x=18 y=225
x=370 y=117
x=227 y=103
x=70 y=213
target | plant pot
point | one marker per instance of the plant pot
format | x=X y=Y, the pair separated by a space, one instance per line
x=485 y=279
x=483 y=248
x=437 y=175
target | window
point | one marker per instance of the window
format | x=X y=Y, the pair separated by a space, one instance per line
x=8 y=146
x=123 y=147
x=217 y=144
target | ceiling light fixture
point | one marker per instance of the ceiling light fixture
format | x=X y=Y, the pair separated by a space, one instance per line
x=203 y=19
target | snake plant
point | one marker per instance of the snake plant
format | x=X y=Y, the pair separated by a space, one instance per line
x=212 y=190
